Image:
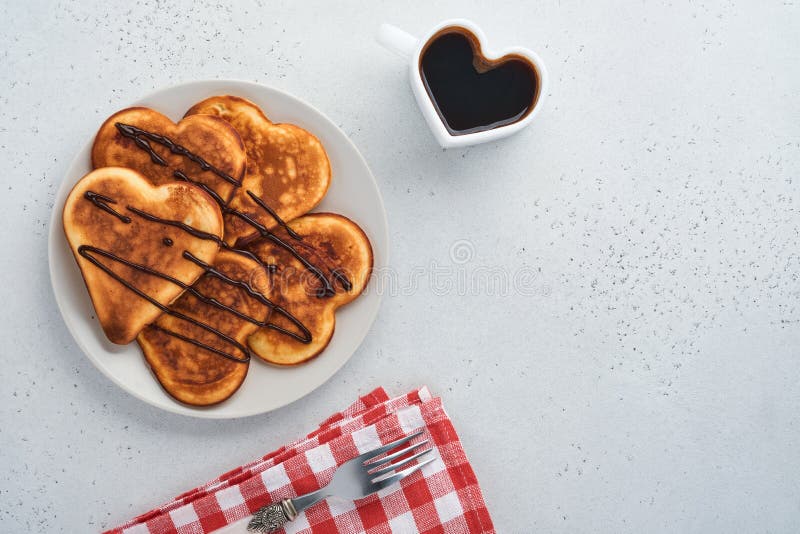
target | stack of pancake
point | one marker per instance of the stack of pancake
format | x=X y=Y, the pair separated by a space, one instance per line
x=195 y=240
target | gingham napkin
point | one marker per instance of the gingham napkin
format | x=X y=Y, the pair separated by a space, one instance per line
x=443 y=497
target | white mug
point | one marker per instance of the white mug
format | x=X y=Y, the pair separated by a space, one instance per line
x=410 y=47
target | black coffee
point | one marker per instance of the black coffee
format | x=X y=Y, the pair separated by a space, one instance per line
x=470 y=92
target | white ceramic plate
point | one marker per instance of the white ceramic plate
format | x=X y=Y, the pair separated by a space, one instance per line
x=353 y=193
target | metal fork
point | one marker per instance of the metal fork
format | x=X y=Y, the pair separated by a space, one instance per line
x=353 y=480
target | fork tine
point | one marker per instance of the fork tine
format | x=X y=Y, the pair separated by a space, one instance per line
x=401 y=463
x=389 y=446
x=383 y=482
x=394 y=455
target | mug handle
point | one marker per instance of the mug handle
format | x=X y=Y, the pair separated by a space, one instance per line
x=398 y=41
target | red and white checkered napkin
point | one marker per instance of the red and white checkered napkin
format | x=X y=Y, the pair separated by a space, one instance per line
x=443 y=497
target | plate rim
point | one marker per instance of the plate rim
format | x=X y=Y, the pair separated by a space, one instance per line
x=55 y=233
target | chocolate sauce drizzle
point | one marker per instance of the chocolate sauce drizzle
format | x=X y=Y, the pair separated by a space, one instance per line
x=103 y=202
x=212 y=271
x=274 y=215
x=142 y=140
x=199 y=234
x=87 y=252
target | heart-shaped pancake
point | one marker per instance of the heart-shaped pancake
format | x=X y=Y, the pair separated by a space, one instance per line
x=198 y=350
x=202 y=149
x=130 y=239
x=287 y=167
x=339 y=248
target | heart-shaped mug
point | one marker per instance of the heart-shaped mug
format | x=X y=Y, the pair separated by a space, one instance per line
x=466 y=101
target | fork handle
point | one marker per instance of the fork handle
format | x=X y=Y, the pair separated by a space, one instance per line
x=272 y=517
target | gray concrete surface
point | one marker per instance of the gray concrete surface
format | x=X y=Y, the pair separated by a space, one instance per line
x=642 y=375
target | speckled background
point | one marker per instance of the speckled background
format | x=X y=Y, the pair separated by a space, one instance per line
x=643 y=375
